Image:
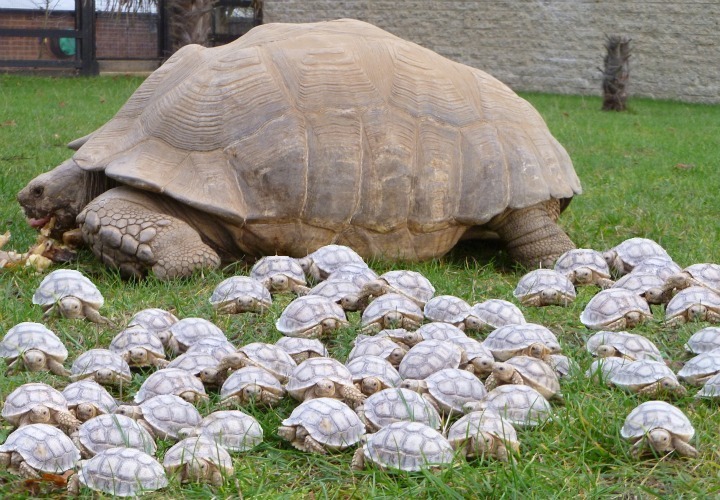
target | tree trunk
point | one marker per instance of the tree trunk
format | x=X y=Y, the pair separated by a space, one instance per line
x=190 y=22
x=616 y=73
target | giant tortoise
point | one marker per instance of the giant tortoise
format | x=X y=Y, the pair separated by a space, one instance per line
x=300 y=135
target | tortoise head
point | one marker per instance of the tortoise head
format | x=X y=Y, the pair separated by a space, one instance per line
x=61 y=193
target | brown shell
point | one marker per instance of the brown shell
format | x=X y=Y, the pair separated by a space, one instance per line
x=312 y=133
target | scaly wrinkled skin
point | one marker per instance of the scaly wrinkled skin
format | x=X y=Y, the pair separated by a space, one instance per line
x=62 y=192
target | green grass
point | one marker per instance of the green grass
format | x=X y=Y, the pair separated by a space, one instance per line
x=650 y=172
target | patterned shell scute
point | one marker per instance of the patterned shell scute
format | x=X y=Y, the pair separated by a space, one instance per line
x=411 y=284
x=700 y=366
x=329 y=258
x=704 y=340
x=272 y=358
x=656 y=414
x=169 y=413
x=390 y=302
x=409 y=446
x=359 y=274
x=30 y=395
x=440 y=331
x=628 y=344
x=428 y=357
x=498 y=312
x=396 y=404
x=250 y=375
x=453 y=387
x=694 y=295
x=168 y=381
x=194 y=448
x=311 y=370
x=446 y=308
x=215 y=346
x=373 y=366
x=520 y=404
x=373 y=346
x=194 y=362
x=236 y=287
x=296 y=345
x=663 y=267
x=93 y=360
x=711 y=388
x=706 y=274
x=328 y=421
x=477 y=422
x=637 y=374
x=335 y=289
x=123 y=472
x=43 y=447
x=472 y=348
x=535 y=282
x=604 y=367
x=307 y=311
x=28 y=335
x=187 y=331
x=634 y=251
x=507 y=340
x=154 y=319
x=89 y=391
x=67 y=283
x=582 y=257
x=610 y=305
x=537 y=372
x=272 y=265
x=111 y=431
x=137 y=336
x=234 y=430
x=640 y=283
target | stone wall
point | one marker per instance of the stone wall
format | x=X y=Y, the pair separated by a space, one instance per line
x=550 y=45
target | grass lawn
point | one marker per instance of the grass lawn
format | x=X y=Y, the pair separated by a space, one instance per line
x=650 y=172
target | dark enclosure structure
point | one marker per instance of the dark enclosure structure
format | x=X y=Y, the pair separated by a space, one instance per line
x=77 y=40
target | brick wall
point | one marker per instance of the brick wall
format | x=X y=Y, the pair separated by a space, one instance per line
x=118 y=36
x=550 y=45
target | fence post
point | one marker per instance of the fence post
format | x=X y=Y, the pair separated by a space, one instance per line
x=85 y=22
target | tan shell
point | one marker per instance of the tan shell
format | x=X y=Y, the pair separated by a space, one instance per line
x=615 y=309
x=43 y=447
x=328 y=421
x=409 y=446
x=306 y=313
x=123 y=472
x=624 y=257
x=395 y=404
x=693 y=303
x=653 y=414
x=428 y=357
x=27 y=335
x=170 y=381
x=110 y=431
x=455 y=144
x=544 y=287
x=522 y=405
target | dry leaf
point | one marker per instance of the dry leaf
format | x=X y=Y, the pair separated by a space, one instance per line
x=684 y=166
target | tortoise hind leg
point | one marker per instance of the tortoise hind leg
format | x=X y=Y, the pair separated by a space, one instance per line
x=532 y=235
x=131 y=231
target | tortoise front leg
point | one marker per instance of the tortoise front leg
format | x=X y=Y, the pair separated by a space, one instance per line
x=57 y=368
x=128 y=230
x=532 y=235
x=683 y=448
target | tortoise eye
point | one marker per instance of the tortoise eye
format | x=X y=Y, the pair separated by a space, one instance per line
x=38 y=191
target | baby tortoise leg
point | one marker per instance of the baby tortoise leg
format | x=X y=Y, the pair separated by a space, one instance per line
x=532 y=235
x=127 y=230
